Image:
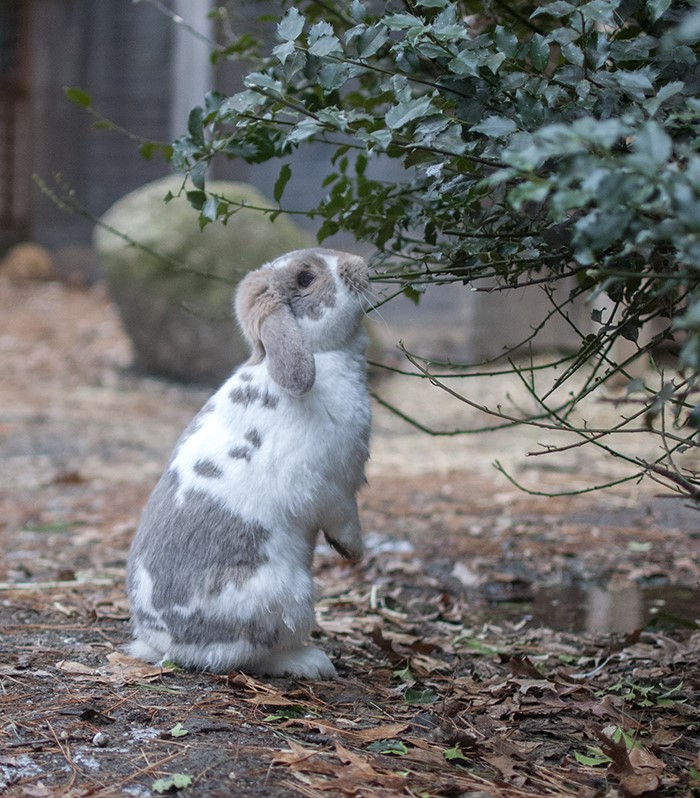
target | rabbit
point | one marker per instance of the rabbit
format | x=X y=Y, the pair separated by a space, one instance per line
x=219 y=571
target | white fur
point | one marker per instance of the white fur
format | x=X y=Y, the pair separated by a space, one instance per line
x=304 y=469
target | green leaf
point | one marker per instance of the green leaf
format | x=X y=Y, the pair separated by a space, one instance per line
x=281 y=182
x=322 y=40
x=657 y=8
x=402 y=22
x=560 y=8
x=329 y=227
x=629 y=331
x=284 y=51
x=506 y=41
x=209 y=211
x=198 y=174
x=357 y=11
x=148 y=148
x=653 y=145
x=291 y=25
x=174 y=781
x=195 y=122
x=574 y=55
x=452 y=754
x=474 y=645
x=528 y=191
x=594 y=760
x=412 y=293
x=497 y=127
x=391 y=747
x=197 y=199
x=420 y=695
x=178 y=730
x=404 y=675
x=466 y=62
x=371 y=40
x=306 y=129
x=664 y=93
x=334 y=75
x=407 y=111
x=539 y=52
x=259 y=80
x=78 y=96
x=634 y=82
x=289 y=712
x=600 y=11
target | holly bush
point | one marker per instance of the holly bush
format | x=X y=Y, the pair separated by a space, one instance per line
x=547 y=144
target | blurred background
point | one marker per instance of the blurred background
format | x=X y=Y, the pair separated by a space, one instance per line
x=145 y=65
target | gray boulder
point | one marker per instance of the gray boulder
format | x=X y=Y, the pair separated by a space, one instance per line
x=174 y=291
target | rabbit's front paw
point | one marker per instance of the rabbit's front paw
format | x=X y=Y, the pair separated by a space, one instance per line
x=347 y=542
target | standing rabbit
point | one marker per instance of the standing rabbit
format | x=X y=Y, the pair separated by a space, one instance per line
x=219 y=573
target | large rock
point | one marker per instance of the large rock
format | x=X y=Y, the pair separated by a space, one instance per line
x=174 y=291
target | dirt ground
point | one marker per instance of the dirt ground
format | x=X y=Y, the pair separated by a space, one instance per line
x=492 y=643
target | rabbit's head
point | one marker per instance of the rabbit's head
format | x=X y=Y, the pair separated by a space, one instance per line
x=307 y=301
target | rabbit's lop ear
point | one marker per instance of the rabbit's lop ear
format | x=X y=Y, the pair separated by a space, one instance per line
x=272 y=331
x=290 y=363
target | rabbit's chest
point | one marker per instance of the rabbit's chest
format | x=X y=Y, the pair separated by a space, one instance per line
x=338 y=403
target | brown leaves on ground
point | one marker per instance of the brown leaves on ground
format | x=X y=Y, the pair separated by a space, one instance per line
x=455 y=676
x=430 y=706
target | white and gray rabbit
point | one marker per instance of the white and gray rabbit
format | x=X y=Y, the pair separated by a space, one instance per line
x=219 y=573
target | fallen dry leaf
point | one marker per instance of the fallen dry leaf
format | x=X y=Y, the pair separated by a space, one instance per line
x=121 y=669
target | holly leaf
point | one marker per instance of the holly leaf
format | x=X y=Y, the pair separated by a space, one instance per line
x=496 y=127
x=407 y=111
x=291 y=25
x=281 y=182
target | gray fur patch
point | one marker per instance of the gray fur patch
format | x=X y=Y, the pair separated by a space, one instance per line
x=269 y=401
x=142 y=618
x=193 y=545
x=353 y=272
x=254 y=438
x=245 y=376
x=202 y=629
x=247 y=395
x=240 y=453
x=244 y=395
x=208 y=468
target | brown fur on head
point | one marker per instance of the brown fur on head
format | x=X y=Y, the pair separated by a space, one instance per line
x=303 y=302
x=272 y=331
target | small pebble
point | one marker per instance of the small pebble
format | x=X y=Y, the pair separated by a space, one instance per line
x=101 y=740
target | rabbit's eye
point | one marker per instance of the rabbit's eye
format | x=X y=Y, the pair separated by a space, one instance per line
x=304 y=279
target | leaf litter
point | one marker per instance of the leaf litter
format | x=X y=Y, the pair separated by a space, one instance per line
x=449 y=683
